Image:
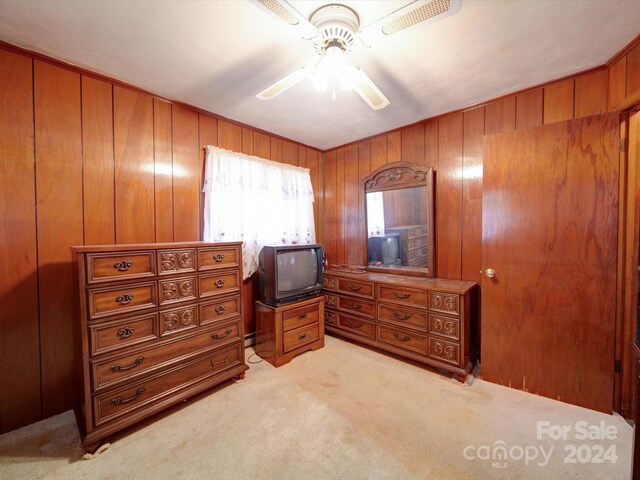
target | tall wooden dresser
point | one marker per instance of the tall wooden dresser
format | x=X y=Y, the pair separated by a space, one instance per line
x=431 y=320
x=158 y=323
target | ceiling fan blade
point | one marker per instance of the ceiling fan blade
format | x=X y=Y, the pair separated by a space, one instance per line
x=368 y=90
x=419 y=11
x=285 y=83
x=284 y=11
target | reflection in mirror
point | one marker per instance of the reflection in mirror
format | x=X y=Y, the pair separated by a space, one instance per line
x=399 y=206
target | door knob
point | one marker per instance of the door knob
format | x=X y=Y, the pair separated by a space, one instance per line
x=489 y=272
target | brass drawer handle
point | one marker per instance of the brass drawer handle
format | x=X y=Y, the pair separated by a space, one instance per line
x=226 y=334
x=403 y=339
x=218 y=257
x=220 y=309
x=355 y=288
x=401 y=316
x=302 y=317
x=401 y=295
x=355 y=306
x=126 y=332
x=219 y=283
x=123 y=265
x=119 y=368
x=353 y=324
x=302 y=337
x=124 y=299
x=120 y=400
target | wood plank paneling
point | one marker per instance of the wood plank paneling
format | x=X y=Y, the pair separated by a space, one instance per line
x=98 y=161
x=341 y=256
x=364 y=169
x=262 y=145
x=134 y=166
x=378 y=152
x=186 y=174
x=290 y=153
x=394 y=146
x=351 y=195
x=412 y=148
x=558 y=101
x=449 y=198
x=633 y=70
x=230 y=136
x=617 y=82
x=472 y=193
x=58 y=130
x=276 y=150
x=19 y=337
x=330 y=234
x=247 y=141
x=208 y=136
x=431 y=144
x=500 y=115
x=163 y=170
x=529 y=109
x=591 y=94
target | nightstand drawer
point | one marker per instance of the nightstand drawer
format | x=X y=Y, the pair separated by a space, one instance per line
x=300 y=336
x=299 y=317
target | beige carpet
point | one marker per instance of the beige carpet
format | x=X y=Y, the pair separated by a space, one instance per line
x=343 y=412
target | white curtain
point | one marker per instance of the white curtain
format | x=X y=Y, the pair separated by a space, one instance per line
x=375 y=214
x=256 y=201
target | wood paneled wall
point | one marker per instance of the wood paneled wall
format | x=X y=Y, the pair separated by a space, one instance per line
x=84 y=160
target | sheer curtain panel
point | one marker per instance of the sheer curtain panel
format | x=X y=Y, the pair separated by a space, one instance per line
x=256 y=201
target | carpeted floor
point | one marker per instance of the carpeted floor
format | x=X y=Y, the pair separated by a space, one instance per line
x=343 y=412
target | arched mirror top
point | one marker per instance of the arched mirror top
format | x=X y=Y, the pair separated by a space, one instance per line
x=399 y=206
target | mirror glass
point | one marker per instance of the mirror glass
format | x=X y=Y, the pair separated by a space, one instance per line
x=399 y=222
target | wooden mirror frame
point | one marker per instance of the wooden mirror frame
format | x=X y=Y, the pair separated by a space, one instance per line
x=394 y=176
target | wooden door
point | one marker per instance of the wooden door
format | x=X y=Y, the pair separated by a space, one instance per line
x=550 y=230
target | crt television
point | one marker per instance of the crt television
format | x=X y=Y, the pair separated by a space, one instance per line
x=289 y=273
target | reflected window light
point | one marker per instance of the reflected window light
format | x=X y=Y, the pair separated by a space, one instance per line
x=471 y=173
x=165 y=169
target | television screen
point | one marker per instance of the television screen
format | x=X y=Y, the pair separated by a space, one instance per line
x=390 y=251
x=297 y=269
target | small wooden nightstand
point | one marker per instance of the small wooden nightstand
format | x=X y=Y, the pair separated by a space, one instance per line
x=286 y=331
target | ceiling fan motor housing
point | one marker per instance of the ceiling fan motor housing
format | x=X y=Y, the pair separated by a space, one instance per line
x=337 y=25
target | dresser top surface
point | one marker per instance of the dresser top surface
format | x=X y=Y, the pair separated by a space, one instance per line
x=148 y=246
x=439 y=284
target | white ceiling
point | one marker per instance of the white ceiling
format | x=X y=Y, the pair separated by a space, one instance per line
x=218 y=54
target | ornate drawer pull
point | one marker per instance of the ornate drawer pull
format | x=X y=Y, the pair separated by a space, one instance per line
x=220 y=309
x=120 y=400
x=401 y=316
x=219 y=283
x=353 y=324
x=401 y=295
x=355 y=288
x=118 y=368
x=218 y=257
x=123 y=266
x=124 y=299
x=302 y=317
x=403 y=339
x=355 y=306
x=126 y=332
x=226 y=334
x=302 y=337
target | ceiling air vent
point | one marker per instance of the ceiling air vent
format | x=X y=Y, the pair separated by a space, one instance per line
x=420 y=14
x=280 y=11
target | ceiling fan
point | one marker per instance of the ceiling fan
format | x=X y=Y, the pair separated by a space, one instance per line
x=334 y=31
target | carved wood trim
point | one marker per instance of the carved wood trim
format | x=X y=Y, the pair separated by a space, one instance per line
x=398 y=175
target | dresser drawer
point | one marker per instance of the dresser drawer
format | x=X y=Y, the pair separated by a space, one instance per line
x=123 y=401
x=418 y=253
x=110 y=336
x=444 y=326
x=219 y=310
x=356 y=325
x=298 y=317
x=126 y=367
x=108 y=267
x=176 y=261
x=329 y=283
x=358 y=306
x=123 y=299
x=402 y=316
x=355 y=287
x=178 y=319
x=177 y=290
x=219 y=283
x=403 y=338
x=211 y=258
x=444 y=351
x=444 y=302
x=417 y=243
x=406 y=296
x=300 y=336
x=330 y=300
x=330 y=317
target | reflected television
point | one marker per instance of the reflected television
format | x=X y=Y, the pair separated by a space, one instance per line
x=288 y=273
x=385 y=249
